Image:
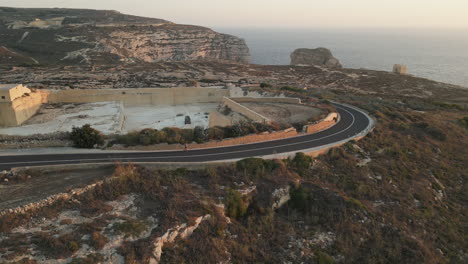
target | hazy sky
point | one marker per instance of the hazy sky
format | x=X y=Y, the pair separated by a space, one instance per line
x=282 y=13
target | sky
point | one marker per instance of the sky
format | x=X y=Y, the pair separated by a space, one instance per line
x=283 y=13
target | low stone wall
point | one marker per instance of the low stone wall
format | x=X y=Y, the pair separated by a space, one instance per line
x=286 y=100
x=323 y=124
x=120 y=119
x=256 y=117
x=139 y=96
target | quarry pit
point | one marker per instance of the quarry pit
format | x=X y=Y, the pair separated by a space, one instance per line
x=119 y=111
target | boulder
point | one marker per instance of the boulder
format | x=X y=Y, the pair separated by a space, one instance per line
x=318 y=57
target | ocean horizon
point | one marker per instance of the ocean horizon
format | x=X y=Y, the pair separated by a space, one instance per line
x=437 y=54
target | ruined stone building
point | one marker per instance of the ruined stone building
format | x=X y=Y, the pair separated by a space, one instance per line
x=17 y=104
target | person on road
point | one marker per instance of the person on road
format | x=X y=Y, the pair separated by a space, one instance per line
x=186 y=147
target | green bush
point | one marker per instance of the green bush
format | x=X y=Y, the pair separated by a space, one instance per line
x=86 y=137
x=151 y=136
x=292 y=89
x=173 y=135
x=214 y=133
x=324 y=258
x=464 y=121
x=130 y=227
x=187 y=136
x=300 y=198
x=433 y=132
x=129 y=139
x=199 y=134
x=256 y=167
x=236 y=206
x=265 y=85
x=301 y=162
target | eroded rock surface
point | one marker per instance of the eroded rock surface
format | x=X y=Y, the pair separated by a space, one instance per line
x=73 y=36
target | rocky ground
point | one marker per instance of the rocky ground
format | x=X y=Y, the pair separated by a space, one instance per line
x=211 y=73
x=396 y=196
x=57 y=118
x=284 y=113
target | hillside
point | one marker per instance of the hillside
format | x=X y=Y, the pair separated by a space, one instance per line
x=76 y=36
x=396 y=196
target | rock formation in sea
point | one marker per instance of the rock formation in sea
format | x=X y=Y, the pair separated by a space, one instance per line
x=318 y=57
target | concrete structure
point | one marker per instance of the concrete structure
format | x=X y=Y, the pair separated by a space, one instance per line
x=323 y=124
x=286 y=100
x=38 y=23
x=400 y=69
x=139 y=96
x=17 y=104
x=254 y=116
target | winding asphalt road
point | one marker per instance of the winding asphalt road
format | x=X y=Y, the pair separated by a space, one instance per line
x=352 y=123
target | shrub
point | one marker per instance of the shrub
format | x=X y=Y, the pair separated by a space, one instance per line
x=227 y=110
x=86 y=137
x=261 y=127
x=187 y=136
x=301 y=162
x=300 y=198
x=199 y=134
x=256 y=167
x=56 y=247
x=173 y=134
x=130 y=227
x=464 y=121
x=98 y=240
x=236 y=207
x=192 y=83
x=129 y=139
x=292 y=89
x=150 y=136
x=214 y=133
x=433 y=132
x=299 y=126
x=324 y=258
x=265 y=85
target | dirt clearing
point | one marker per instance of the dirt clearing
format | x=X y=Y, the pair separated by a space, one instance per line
x=284 y=113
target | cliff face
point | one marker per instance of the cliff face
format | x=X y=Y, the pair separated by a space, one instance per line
x=173 y=42
x=71 y=36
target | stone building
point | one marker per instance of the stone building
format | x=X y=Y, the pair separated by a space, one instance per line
x=400 y=69
x=17 y=104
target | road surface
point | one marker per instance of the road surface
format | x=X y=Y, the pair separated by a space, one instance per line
x=352 y=123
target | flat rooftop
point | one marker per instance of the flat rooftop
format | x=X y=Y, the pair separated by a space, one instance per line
x=8 y=86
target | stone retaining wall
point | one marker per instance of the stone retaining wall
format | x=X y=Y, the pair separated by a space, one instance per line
x=139 y=96
x=323 y=124
x=256 y=117
x=286 y=100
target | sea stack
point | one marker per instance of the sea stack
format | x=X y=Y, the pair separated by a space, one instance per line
x=317 y=57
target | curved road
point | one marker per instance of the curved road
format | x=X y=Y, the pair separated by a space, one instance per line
x=352 y=123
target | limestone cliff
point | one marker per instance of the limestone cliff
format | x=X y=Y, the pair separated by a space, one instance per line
x=70 y=36
x=318 y=57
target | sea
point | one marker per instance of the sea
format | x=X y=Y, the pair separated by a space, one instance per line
x=437 y=54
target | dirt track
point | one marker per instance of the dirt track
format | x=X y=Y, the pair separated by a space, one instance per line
x=50 y=183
